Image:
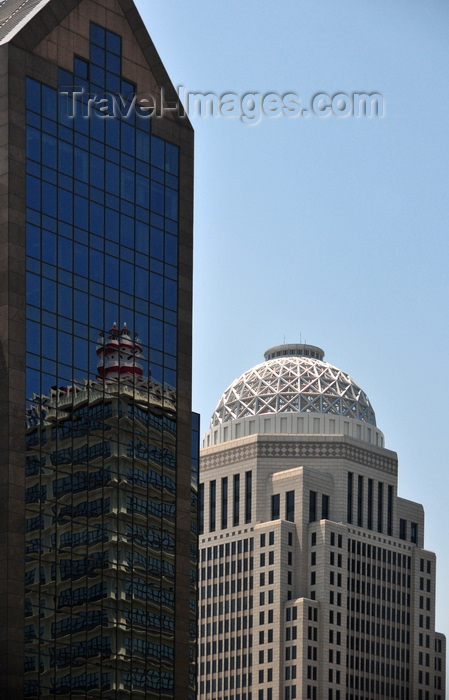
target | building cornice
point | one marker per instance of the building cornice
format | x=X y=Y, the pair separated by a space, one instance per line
x=305 y=450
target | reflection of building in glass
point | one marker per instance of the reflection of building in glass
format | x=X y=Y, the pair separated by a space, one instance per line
x=96 y=225
x=314 y=581
x=100 y=531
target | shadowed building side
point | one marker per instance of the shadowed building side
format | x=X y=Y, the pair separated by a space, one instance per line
x=96 y=226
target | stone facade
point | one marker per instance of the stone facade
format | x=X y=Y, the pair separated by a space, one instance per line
x=314 y=581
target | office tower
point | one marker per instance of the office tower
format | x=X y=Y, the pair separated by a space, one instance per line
x=314 y=581
x=97 y=501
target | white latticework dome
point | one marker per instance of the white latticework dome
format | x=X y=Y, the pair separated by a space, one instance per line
x=293 y=379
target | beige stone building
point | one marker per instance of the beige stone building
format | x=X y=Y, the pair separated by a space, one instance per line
x=314 y=581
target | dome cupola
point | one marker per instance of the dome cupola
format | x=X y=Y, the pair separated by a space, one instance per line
x=294 y=391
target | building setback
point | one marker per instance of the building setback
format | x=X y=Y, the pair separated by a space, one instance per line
x=97 y=501
x=313 y=582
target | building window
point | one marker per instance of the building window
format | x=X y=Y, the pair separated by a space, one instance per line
x=212 y=505
x=248 y=496
x=201 y=508
x=224 y=502
x=402 y=529
x=360 y=501
x=275 y=506
x=370 y=505
x=312 y=506
x=236 y=509
x=390 y=510
x=325 y=507
x=349 y=501
x=414 y=533
x=290 y=506
x=380 y=506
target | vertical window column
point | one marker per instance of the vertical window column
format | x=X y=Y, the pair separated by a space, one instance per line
x=360 y=501
x=200 y=508
x=312 y=506
x=275 y=506
x=236 y=509
x=370 y=505
x=212 y=505
x=349 y=502
x=248 y=496
x=290 y=506
x=380 y=506
x=325 y=507
x=224 y=502
x=390 y=510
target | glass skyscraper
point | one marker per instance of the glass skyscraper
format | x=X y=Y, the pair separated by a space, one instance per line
x=98 y=472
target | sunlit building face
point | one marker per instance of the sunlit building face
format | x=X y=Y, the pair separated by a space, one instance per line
x=313 y=578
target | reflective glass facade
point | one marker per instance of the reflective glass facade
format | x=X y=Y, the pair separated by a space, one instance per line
x=102 y=224
x=109 y=515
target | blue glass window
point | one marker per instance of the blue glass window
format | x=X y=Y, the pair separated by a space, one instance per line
x=81 y=68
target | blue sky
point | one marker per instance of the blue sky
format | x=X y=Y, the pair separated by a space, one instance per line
x=331 y=229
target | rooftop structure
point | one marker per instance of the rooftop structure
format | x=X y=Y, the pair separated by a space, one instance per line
x=297 y=387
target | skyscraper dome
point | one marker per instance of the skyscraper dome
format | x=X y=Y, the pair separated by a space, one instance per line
x=293 y=391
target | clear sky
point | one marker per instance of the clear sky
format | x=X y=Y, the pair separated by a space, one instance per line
x=333 y=230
